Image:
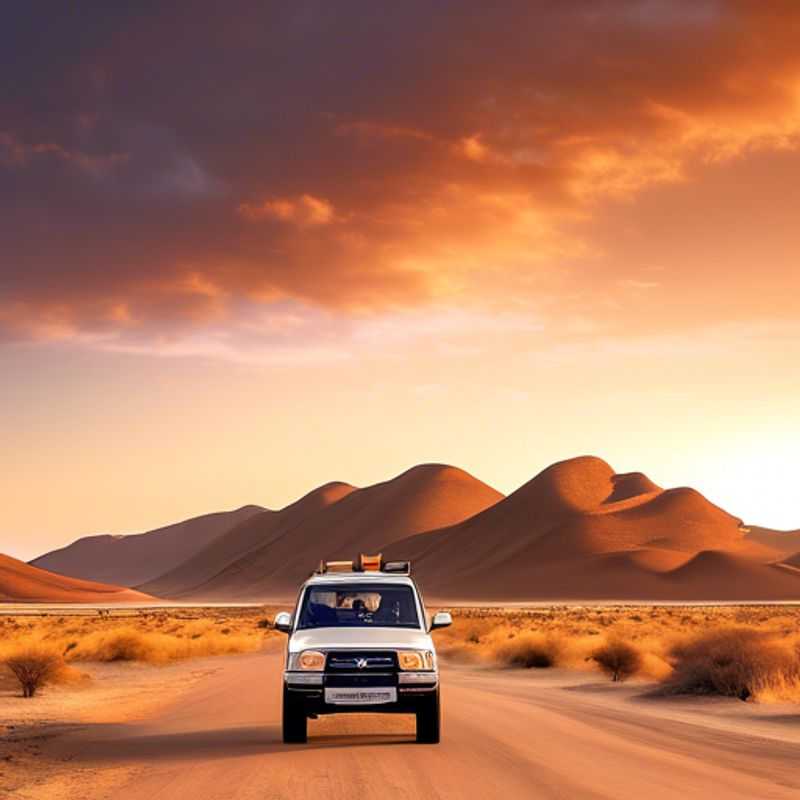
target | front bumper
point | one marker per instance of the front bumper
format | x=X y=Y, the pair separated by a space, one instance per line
x=413 y=689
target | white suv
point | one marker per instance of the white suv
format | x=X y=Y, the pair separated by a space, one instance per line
x=358 y=641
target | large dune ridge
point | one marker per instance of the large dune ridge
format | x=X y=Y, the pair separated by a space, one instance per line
x=253 y=533
x=362 y=520
x=792 y=561
x=136 y=558
x=782 y=542
x=645 y=575
x=578 y=530
x=23 y=583
x=580 y=507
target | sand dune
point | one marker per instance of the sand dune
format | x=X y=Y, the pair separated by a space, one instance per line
x=662 y=575
x=631 y=484
x=676 y=519
x=561 y=498
x=792 y=561
x=577 y=530
x=250 y=535
x=132 y=560
x=782 y=542
x=20 y=582
x=362 y=520
x=634 y=575
x=711 y=574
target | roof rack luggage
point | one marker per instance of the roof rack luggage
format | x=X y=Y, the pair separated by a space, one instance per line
x=365 y=563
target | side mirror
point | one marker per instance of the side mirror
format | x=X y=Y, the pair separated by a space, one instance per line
x=283 y=622
x=441 y=619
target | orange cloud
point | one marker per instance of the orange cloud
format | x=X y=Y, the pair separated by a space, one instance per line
x=473 y=149
x=304 y=210
x=438 y=178
x=15 y=153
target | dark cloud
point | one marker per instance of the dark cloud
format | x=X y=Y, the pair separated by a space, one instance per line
x=160 y=163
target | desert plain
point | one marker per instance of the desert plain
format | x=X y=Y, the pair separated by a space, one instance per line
x=579 y=701
x=611 y=639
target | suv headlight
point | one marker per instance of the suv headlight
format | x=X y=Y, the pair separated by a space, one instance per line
x=411 y=660
x=307 y=661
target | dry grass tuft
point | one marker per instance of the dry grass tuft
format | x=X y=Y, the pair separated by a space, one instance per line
x=129 y=644
x=530 y=650
x=737 y=662
x=571 y=636
x=151 y=637
x=687 y=648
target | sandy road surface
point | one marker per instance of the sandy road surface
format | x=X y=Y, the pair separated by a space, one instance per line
x=505 y=734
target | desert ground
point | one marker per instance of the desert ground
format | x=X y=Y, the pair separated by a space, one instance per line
x=185 y=702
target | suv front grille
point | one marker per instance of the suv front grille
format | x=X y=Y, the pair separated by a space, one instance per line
x=351 y=679
x=361 y=662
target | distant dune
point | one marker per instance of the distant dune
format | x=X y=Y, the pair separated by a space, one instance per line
x=256 y=532
x=577 y=530
x=782 y=542
x=329 y=523
x=793 y=561
x=639 y=575
x=22 y=583
x=131 y=560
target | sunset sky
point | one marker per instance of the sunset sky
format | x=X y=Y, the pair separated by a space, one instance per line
x=250 y=247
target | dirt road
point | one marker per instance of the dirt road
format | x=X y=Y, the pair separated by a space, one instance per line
x=506 y=734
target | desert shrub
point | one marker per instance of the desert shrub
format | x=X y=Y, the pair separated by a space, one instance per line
x=467 y=638
x=130 y=644
x=459 y=652
x=654 y=666
x=473 y=631
x=530 y=650
x=737 y=662
x=617 y=659
x=34 y=666
x=123 y=644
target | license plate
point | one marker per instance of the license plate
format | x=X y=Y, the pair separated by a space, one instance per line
x=363 y=696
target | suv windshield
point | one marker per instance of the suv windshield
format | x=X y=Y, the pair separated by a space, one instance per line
x=358 y=605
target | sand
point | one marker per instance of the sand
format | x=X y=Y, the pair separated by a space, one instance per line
x=505 y=734
x=247 y=537
x=781 y=542
x=111 y=693
x=284 y=549
x=132 y=560
x=792 y=561
x=20 y=582
x=579 y=531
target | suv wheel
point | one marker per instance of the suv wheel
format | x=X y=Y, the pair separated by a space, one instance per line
x=295 y=722
x=428 y=719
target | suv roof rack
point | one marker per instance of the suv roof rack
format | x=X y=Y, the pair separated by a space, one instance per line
x=365 y=563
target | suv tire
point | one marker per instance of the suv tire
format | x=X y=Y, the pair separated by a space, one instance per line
x=429 y=719
x=295 y=722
